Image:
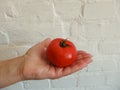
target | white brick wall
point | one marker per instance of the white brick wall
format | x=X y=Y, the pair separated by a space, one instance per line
x=99 y=10
x=93 y=25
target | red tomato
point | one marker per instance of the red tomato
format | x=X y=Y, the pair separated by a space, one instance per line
x=61 y=52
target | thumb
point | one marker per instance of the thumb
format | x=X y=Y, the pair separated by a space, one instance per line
x=40 y=47
x=45 y=42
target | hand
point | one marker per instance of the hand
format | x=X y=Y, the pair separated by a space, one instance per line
x=36 y=66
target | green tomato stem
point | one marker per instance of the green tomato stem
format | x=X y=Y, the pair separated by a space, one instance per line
x=63 y=43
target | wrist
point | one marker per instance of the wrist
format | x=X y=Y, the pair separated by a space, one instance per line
x=21 y=68
x=11 y=71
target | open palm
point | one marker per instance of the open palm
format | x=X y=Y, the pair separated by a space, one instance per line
x=36 y=66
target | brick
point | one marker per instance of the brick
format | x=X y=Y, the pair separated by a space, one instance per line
x=68 y=9
x=90 y=1
x=7 y=11
x=86 y=45
x=36 y=85
x=28 y=33
x=99 y=10
x=118 y=64
x=113 y=79
x=63 y=83
x=109 y=66
x=101 y=57
x=10 y=13
x=95 y=66
x=2 y=9
x=93 y=31
x=91 y=79
x=104 y=30
x=7 y=53
x=109 y=47
x=13 y=87
x=104 y=63
x=38 y=11
x=21 y=49
x=81 y=88
x=102 y=88
x=111 y=30
x=25 y=84
x=94 y=1
x=3 y=38
x=12 y=10
x=76 y=29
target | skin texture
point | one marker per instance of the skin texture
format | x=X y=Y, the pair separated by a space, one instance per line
x=33 y=65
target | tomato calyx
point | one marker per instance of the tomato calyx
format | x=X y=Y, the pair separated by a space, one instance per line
x=63 y=43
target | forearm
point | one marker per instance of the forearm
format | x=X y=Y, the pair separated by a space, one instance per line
x=10 y=71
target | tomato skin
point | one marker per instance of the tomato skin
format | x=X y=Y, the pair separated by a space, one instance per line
x=61 y=56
